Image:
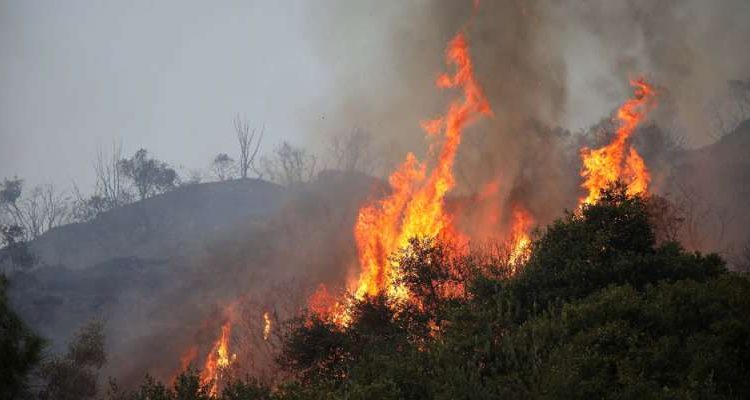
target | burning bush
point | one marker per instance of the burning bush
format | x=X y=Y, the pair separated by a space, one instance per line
x=599 y=310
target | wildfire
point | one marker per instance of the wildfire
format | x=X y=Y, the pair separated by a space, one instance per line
x=325 y=304
x=520 y=239
x=415 y=208
x=619 y=160
x=218 y=359
x=266 y=326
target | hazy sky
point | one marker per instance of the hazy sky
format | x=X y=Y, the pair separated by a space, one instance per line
x=165 y=75
x=170 y=75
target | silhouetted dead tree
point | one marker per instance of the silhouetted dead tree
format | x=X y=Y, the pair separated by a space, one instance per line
x=353 y=151
x=666 y=217
x=42 y=209
x=704 y=224
x=110 y=177
x=249 y=145
x=290 y=165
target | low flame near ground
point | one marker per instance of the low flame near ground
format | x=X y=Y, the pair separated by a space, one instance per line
x=266 y=325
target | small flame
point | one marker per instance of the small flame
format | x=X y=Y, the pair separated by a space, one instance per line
x=266 y=326
x=520 y=238
x=619 y=160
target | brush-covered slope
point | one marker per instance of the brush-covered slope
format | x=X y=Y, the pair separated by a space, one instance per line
x=155 y=271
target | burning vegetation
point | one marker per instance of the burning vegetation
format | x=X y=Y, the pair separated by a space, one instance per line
x=416 y=207
x=619 y=160
x=414 y=264
x=420 y=304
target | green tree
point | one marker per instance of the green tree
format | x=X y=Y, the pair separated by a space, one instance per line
x=148 y=175
x=674 y=340
x=20 y=349
x=611 y=242
x=14 y=251
x=74 y=376
x=249 y=389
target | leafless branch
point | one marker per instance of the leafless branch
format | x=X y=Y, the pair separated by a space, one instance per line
x=249 y=145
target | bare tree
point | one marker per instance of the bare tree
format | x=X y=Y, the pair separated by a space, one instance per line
x=290 y=165
x=703 y=223
x=249 y=146
x=110 y=177
x=56 y=207
x=666 y=218
x=110 y=189
x=353 y=151
x=45 y=208
x=42 y=209
x=223 y=167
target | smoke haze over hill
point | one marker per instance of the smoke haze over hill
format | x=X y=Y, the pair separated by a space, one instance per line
x=168 y=259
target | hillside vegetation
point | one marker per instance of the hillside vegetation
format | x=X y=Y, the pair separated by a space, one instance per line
x=599 y=310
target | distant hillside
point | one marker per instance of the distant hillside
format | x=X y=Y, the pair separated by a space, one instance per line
x=713 y=184
x=155 y=270
x=163 y=225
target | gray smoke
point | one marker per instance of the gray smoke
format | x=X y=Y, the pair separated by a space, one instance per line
x=543 y=64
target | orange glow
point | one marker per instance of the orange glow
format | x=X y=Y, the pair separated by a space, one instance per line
x=188 y=357
x=619 y=160
x=324 y=304
x=218 y=360
x=415 y=208
x=520 y=239
x=266 y=326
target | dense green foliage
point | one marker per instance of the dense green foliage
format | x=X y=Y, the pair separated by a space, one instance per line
x=149 y=175
x=598 y=311
x=74 y=376
x=20 y=349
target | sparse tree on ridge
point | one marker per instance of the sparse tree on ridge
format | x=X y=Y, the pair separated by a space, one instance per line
x=42 y=209
x=353 y=151
x=290 y=165
x=148 y=175
x=249 y=146
x=110 y=189
x=110 y=177
x=223 y=167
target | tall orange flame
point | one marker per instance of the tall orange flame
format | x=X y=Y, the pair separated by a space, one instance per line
x=415 y=208
x=218 y=359
x=619 y=160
